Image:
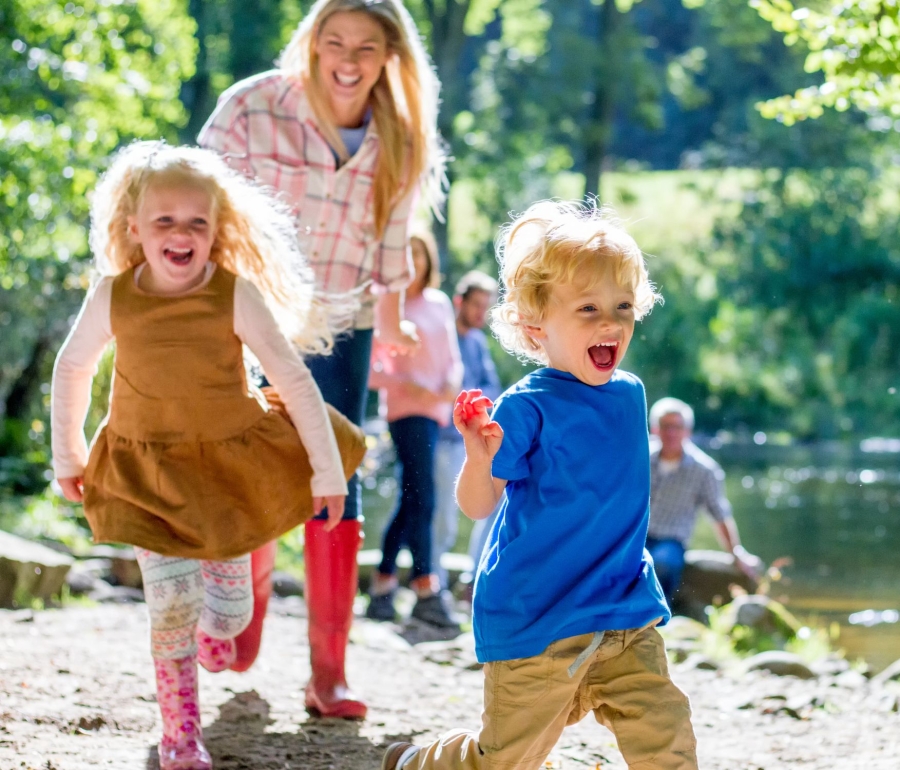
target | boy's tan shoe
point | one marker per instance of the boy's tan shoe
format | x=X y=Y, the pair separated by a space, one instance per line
x=393 y=754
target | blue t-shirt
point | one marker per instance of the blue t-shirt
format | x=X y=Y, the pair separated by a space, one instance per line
x=566 y=554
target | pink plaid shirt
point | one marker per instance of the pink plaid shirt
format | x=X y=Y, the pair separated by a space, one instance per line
x=265 y=127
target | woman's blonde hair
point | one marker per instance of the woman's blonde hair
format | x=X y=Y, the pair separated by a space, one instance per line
x=255 y=235
x=555 y=243
x=422 y=234
x=404 y=102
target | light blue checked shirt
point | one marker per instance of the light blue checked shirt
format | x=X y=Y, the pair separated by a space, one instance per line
x=677 y=496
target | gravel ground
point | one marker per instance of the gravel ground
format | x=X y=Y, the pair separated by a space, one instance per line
x=76 y=691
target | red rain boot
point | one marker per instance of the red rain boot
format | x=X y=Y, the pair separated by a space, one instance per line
x=262 y=562
x=331 y=579
x=181 y=747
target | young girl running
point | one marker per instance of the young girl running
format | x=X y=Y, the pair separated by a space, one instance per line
x=193 y=261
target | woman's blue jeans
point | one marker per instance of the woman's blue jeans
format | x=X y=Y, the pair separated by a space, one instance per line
x=343 y=378
x=414 y=439
x=668 y=562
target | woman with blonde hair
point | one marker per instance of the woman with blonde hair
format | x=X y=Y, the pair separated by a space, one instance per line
x=346 y=130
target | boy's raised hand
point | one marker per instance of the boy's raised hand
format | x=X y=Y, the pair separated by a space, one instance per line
x=472 y=419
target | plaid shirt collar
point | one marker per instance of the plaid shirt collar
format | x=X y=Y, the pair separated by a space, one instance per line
x=687 y=458
x=292 y=98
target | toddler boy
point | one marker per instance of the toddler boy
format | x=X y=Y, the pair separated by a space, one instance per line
x=566 y=600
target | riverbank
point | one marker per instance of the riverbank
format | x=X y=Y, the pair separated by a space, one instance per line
x=76 y=691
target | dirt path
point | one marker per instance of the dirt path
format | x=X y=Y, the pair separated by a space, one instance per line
x=76 y=691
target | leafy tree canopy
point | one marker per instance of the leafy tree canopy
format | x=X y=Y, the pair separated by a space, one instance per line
x=854 y=44
x=77 y=80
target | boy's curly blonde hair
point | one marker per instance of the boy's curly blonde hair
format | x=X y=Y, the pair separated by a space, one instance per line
x=255 y=234
x=553 y=243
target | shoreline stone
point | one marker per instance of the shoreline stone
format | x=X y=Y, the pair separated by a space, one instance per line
x=31 y=570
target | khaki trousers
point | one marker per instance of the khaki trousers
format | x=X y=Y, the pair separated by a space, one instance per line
x=528 y=702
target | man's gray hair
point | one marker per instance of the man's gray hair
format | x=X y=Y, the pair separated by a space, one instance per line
x=669 y=405
x=475 y=280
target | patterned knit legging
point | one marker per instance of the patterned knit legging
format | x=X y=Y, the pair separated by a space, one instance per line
x=182 y=593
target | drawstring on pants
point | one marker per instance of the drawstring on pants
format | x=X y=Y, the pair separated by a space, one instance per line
x=596 y=641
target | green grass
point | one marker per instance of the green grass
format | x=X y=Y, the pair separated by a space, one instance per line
x=668 y=210
x=665 y=211
x=45 y=516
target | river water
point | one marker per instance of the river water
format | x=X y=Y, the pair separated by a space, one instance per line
x=833 y=510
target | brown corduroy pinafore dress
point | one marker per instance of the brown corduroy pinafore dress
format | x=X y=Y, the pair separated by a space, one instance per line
x=188 y=462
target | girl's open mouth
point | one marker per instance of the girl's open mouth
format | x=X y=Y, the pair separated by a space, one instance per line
x=604 y=355
x=178 y=257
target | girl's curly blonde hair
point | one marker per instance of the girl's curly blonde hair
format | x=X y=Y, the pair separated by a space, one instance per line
x=553 y=243
x=255 y=234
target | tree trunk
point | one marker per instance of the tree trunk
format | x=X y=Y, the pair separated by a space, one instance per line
x=254 y=36
x=447 y=39
x=27 y=385
x=598 y=135
x=195 y=93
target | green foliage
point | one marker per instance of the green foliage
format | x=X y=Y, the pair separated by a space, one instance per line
x=46 y=517
x=727 y=642
x=535 y=109
x=815 y=643
x=808 y=320
x=480 y=13
x=854 y=44
x=781 y=286
x=782 y=292
x=78 y=80
x=773 y=631
x=747 y=61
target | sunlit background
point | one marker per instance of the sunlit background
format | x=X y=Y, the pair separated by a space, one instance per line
x=769 y=221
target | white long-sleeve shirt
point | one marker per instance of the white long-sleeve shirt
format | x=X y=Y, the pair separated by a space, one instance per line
x=254 y=325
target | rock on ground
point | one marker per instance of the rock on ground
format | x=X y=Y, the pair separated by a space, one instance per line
x=30 y=569
x=76 y=691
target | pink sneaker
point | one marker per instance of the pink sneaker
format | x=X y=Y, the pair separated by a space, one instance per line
x=215 y=654
x=181 y=747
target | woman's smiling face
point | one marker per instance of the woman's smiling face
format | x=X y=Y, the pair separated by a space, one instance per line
x=352 y=49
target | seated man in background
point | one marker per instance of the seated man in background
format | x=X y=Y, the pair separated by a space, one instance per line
x=684 y=479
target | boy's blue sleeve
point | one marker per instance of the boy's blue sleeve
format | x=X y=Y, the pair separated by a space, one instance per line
x=521 y=425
